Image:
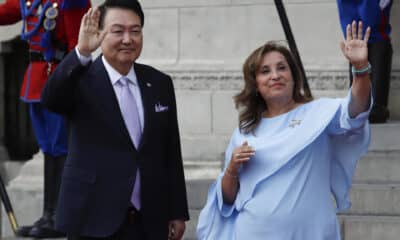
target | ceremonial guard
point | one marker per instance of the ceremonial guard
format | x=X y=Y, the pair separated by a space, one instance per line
x=51 y=28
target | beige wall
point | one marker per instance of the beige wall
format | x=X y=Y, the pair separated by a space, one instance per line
x=202 y=44
x=215 y=34
x=194 y=34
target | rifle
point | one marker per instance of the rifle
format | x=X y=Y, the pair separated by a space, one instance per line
x=7 y=206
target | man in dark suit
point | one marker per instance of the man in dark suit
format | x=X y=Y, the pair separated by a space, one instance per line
x=123 y=177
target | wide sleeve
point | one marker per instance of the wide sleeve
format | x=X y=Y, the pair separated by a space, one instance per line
x=349 y=140
x=342 y=121
x=226 y=210
x=10 y=12
x=211 y=223
x=216 y=219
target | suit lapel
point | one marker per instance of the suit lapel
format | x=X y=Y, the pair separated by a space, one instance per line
x=106 y=100
x=146 y=92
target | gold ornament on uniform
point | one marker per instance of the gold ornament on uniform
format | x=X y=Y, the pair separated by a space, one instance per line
x=49 y=24
x=51 y=14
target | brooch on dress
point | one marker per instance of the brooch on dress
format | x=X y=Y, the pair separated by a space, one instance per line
x=294 y=122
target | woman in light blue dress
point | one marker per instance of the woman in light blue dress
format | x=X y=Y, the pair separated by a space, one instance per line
x=290 y=153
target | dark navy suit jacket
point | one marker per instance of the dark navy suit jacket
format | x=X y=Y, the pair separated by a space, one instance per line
x=100 y=169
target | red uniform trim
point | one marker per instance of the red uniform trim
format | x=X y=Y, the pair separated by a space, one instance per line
x=382 y=26
x=10 y=12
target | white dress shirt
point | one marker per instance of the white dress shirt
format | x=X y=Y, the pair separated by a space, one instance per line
x=114 y=76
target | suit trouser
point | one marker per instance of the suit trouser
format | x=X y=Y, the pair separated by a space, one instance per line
x=131 y=229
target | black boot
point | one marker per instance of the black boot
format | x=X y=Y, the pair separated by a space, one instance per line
x=23 y=231
x=380 y=57
x=53 y=167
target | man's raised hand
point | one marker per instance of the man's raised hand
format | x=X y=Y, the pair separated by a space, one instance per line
x=90 y=34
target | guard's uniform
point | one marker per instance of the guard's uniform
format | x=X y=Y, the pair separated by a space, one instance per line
x=373 y=13
x=51 y=28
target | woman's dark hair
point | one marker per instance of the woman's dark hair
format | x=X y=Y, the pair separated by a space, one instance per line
x=132 y=5
x=249 y=102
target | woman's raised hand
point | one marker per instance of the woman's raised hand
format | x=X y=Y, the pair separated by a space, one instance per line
x=355 y=47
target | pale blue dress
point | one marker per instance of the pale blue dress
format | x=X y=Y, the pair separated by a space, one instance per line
x=298 y=179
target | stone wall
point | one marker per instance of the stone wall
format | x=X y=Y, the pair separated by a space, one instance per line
x=219 y=34
x=206 y=110
x=202 y=44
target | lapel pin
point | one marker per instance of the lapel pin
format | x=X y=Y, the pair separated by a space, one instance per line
x=294 y=122
x=148 y=84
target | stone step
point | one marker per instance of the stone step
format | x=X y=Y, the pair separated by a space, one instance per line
x=197 y=192
x=366 y=198
x=359 y=227
x=190 y=232
x=35 y=166
x=375 y=199
x=376 y=190
x=379 y=166
x=12 y=171
x=385 y=137
x=353 y=227
x=375 y=167
x=382 y=163
x=27 y=202
x=202 y=169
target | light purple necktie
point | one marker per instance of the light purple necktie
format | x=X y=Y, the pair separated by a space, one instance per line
x=131 y=118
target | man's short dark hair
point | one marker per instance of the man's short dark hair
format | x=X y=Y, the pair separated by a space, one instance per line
x=132 y=5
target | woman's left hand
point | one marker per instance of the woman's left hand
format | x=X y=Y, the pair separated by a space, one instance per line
x=355 y=47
